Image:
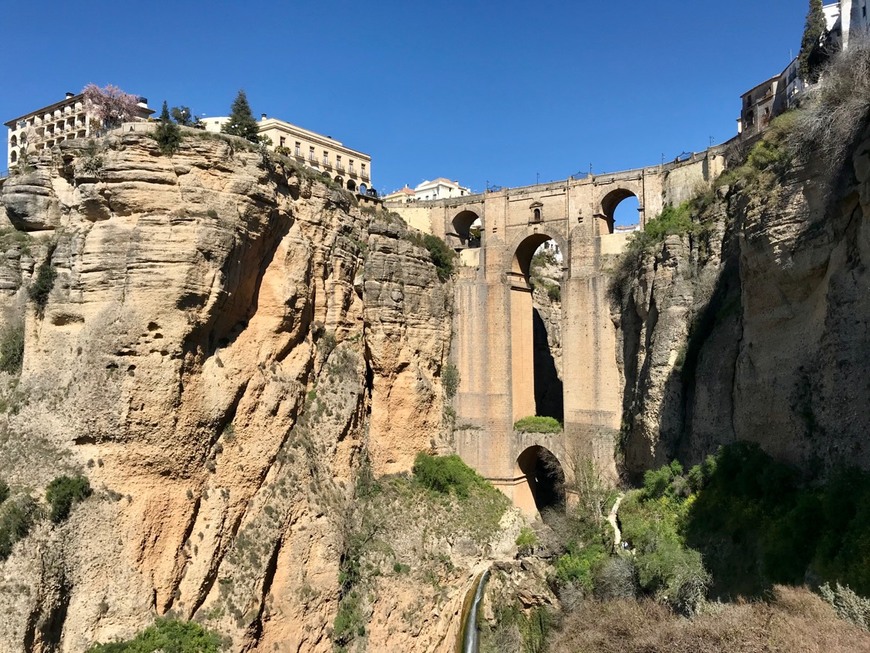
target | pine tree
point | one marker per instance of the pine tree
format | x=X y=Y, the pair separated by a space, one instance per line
x=167 y=134
x=241 y=122
x=814 y=30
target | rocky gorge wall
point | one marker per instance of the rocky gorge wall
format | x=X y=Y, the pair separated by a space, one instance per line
x=226 y=342
x=756 y=327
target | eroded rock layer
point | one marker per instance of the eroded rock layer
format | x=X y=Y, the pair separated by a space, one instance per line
x=758 y=329
x=225 y=342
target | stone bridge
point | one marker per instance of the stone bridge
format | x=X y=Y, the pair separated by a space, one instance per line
x=496 y=234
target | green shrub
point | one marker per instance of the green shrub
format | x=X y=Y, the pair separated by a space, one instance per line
x=12 y=347
x=167 y=134
x=526 y=541
x=577 y=565
x=442 y=256
x=349 y=621
x=63 y=492
x=445 y=474
x=44 y=282
x=450 y=380
x=673 y=220
x=17 y=517
x=847 y=604
x=166 y=636
x=4 y=491
x=537 y=424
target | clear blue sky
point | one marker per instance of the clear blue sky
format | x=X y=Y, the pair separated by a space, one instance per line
x=502 y=93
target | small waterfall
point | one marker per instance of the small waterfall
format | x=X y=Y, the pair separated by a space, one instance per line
x=468 y=642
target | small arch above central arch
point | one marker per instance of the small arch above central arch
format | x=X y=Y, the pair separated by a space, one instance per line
x=609 y=204
x=467 y=226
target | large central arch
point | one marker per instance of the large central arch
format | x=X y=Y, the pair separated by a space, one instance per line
x=526 y=371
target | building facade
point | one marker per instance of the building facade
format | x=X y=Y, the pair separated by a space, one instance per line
x=350 y=168
x=46 y=127
x=845 y=20
x=437 y=189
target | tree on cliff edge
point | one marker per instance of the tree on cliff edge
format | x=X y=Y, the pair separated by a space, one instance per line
x=167 y=134
x=815 y=28
x=241 y=122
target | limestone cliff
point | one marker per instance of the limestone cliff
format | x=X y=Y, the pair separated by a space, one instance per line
x=757 y=329
x=226 y=340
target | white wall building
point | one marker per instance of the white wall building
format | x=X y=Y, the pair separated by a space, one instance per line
x=437 y=189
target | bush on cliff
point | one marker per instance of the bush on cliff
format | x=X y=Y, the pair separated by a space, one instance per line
x=445 y=474
x=166 y=636
x=17 y=517
x=63 y=492
x=12 y=347
x=41 y=287
x=442 y=256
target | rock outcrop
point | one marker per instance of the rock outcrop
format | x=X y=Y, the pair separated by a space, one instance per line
x=226 y=340
x=759 y=330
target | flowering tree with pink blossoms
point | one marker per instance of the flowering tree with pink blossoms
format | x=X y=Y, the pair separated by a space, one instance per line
x=109 y=106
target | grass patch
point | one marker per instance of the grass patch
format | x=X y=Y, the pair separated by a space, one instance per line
x=538 y=424
x=445 y=474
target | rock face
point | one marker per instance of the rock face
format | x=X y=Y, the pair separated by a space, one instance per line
x=225 y=342
x=759 y=331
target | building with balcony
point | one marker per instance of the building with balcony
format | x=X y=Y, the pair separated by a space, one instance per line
x=46 y=127
x=331 y=158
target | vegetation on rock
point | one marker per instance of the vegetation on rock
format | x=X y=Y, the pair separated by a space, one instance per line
x=241 y=121
x=166 y=636
x=41 y=287
x=17 y=517
x=167 y=134
x=12 y=346
x=445 y=474
x=538 y=424
x=63 y=492
x=442 y=256
x=814 y=30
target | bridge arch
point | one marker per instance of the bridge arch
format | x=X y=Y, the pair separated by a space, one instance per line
x=524 y=247
x=536 y=384
x=544 y=481
x=467 y=226
x=607 y=215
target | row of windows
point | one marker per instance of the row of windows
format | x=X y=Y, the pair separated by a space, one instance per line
x=312 y=157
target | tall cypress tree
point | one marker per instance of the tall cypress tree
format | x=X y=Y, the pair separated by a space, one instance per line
x=241 y=122
x=814 y=29
x=167 y=134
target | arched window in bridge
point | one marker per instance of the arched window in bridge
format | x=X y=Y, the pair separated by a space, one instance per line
x=537 y=212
